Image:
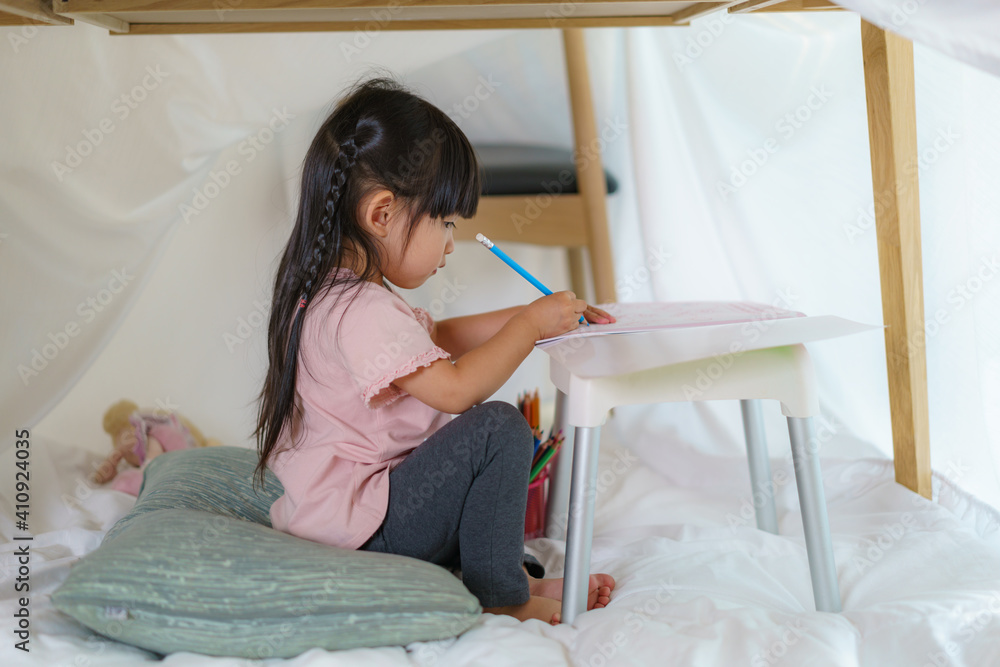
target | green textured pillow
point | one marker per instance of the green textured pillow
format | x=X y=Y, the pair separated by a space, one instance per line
x=195 y=566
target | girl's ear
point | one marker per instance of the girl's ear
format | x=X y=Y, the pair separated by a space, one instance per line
x=377 y=211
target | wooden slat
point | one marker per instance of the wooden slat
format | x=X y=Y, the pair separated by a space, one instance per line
x=697 y=10
x=349 y=26
x=37 y=12
x=235 y=16
x=753 y=5
x=115 y=6
x=14 y=19
x=537 y=219
x=892 y=132
x=112 y=24
x=589 y=169
x=787 y=6
x=578 y=274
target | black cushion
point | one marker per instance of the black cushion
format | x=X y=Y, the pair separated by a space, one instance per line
x=527 y=169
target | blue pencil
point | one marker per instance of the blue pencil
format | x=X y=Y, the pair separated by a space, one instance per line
x=517 y=267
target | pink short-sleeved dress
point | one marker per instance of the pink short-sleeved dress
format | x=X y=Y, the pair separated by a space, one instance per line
x=356 y=425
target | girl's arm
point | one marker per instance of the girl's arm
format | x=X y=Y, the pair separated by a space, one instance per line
x=480 y=372
x=458 y=335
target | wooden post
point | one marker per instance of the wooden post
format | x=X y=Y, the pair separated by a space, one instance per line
x=589 y=168
x=892 y=132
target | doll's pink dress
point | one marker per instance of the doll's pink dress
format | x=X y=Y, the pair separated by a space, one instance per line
x=171 y=433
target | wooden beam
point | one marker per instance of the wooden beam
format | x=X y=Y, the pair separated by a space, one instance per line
x=34 y=11
x=541 y=219
x=13 y=19
x=765 y=6
x=112 y=24
x=892 y=133
x=697 y=10
x=235 y=16
x=752 y=5
x=351 y=26
x=589 y=169
x=117 y=6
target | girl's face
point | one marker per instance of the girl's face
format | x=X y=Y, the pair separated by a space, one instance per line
x=429 y=246
x=430 y=243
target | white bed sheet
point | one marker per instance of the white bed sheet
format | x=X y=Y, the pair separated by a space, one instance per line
x=697 y=583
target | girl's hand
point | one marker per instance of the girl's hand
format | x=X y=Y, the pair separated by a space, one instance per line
x=554 y=314
x=598 y=316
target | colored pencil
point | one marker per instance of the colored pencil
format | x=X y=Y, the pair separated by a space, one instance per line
x=517 y=267
x=552 y=442
x=537 y=468
x=535 y=410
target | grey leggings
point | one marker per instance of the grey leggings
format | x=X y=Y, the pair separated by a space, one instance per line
x=458 y=500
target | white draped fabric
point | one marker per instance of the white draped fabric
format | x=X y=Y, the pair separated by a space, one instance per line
x=148 y=184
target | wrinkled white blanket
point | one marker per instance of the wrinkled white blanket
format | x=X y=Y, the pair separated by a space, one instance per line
x=697 y=583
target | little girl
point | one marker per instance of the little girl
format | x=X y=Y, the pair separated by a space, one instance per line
x=355 y=415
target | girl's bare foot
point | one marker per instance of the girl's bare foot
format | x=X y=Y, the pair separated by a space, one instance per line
x=543 y=608
x=598 y=595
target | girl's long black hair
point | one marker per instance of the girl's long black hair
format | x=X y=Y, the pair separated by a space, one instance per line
x=379 y=135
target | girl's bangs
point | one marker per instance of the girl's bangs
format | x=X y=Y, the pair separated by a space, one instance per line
x=454 y=176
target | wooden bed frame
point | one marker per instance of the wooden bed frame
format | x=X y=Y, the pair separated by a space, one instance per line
x=580 y=221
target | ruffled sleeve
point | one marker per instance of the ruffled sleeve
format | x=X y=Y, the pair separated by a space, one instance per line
x=384 y=340
x=425 y=319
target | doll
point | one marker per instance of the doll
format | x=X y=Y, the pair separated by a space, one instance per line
x=139 y=436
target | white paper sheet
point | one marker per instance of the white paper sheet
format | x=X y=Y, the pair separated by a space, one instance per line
x=656 y=315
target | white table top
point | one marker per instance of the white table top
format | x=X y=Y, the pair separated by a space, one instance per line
x=620 y=353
